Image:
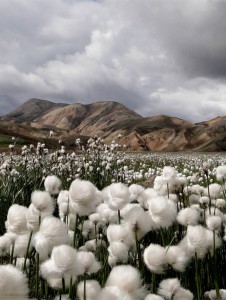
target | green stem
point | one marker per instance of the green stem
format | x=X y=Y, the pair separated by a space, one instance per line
x=95 y=228
x=70 y=289
x=138 y=251
x=162 y=236
x=197 y=277
x=63 y=285
x=75 y=232
x=215 y=266
x=12 y=253
x=208 y=188
x=168 y=190
x=119 y=217
x=85 y=287
x=27 y=250
x=46 y=290
x=153 y=283
x=37 y=275
x=170 y=243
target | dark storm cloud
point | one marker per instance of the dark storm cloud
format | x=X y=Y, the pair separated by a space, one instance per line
x=194 y=34
x=154 y=56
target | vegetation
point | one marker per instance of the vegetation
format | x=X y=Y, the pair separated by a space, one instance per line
x=79 y=224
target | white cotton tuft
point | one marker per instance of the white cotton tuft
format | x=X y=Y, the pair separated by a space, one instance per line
x=54 y=275
x=42 y=201
x=204 y=200
x=63 y=197
x=91 y=245
x=214 y=222
x=88 y=262
x=212 y=295
x=197 y=189
x=93 y=288
x=65 y=259
x=146 y=195
x=48 y=270
x=223 y=294
x=195 y=241
x=62 y=297
x=161 y=186
x=20 y=245
x=168 y=181
x=88 y=229
x=209 y=241
x=52 y=232
x=16 y=219
x=121 y=233
x=101 y=207
x=215 y=190
x=184 y=294
x=63 y=203
x=109 y=216
x=128 y=279
x=220 y=203
x=82 y=191
x=163 y=212
x=52 y=184
x=13 y=283
x=221 y=172
x=153 y=297
x=41 y=245
x=63 y=210
x=20 y=263
x=95 y=218
x=83 y=197
x=155 y=258
x=117 y=195
x=128 y=208
x=135 y=191
x=169 y=172
x=34 y=216
x=139 y=221
x=173 y=197
x=168 y=287
x=188 y=216
x=113 y=293
x=177 y=258
x=71 y=221
x=5 y=243
x=193 y=199
x=41 y=206
x=213 y=211
x=118 y=252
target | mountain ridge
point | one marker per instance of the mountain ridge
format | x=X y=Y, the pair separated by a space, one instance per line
x=36 y=117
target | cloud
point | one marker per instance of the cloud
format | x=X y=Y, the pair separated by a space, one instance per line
x=153 y=56
x=193 y=33
x=197 y=105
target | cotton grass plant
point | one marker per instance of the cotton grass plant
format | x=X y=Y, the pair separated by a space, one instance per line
x=79 y=226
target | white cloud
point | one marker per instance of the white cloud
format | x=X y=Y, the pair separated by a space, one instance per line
x=196 y=104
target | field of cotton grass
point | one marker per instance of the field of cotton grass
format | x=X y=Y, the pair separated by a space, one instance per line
x=81 y=225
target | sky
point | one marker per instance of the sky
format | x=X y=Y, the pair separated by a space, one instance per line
x=154 y=56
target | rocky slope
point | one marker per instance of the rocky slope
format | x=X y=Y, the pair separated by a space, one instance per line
x=35 y=118
x=33 y=108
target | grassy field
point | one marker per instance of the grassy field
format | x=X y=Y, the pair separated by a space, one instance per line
x=166 y=241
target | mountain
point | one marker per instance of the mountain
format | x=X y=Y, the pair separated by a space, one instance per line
x=83 y=117
x=33 y=108
x=32 y=122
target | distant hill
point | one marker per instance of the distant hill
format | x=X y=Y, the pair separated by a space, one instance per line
x=33 y=108
x=33 y=120
x=86 y=118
